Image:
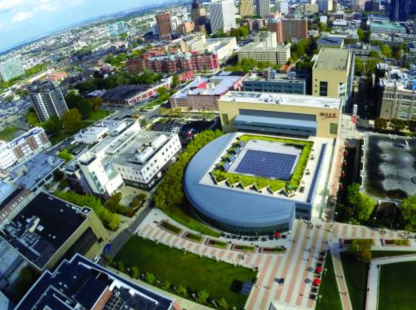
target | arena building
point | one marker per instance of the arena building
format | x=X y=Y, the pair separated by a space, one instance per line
x=256 y=184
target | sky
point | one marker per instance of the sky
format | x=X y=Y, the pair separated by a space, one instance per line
x=24 y=19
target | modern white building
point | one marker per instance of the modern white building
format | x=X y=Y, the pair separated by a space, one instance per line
x=11 y=68
x=134 y=157
x=23 y=147
x=98 y=132
x=222 y=15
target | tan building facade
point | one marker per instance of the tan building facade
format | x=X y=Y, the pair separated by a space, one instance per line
x=284 y=114
x=332 y=73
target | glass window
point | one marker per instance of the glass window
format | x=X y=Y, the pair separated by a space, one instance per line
x=333 y=128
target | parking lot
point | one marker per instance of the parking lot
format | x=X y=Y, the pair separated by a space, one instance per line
x=185 y=128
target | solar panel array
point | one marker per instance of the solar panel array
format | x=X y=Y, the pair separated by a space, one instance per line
x=267 y=164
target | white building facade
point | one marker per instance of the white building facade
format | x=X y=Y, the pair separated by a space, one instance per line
x=222 y=15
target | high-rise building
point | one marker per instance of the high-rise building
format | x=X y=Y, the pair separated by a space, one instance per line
x=11 y=68
x=262 y=7
x=288 y=29
x=325 y=6
x=116 y=29
x=282 y=6
x=47 y=100
x=164 y=25
x=400 y=9
x=222 y=15
x=246 y=8
x=358 y=4
x=198 y=13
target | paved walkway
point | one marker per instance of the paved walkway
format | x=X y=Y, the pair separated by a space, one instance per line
x=296 y=266
x=374 y=277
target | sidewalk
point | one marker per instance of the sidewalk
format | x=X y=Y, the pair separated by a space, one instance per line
x=342 y=284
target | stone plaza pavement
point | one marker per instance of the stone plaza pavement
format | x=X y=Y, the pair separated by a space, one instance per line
x=296 y=266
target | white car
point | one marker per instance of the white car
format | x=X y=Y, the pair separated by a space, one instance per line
x=96 y=258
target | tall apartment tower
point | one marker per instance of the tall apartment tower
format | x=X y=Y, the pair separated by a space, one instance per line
x=11 y=68
x=198 y=14
x=164 y=25
x=222 y=15
x=262 y=7
x=47 y=100
x=246 y=8
x=288 y=29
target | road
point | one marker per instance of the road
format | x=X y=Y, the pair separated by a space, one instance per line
x=124 y=235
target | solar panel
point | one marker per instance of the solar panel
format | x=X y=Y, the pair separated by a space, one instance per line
x=267 y=164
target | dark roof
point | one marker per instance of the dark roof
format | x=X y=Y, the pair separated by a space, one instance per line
x=80 y=280
x=124 y=92
x=330 y=41
x=58 y=221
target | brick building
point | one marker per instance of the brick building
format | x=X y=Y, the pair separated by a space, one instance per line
x=288 y=29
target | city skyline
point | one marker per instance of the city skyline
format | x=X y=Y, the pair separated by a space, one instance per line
x=22 y=20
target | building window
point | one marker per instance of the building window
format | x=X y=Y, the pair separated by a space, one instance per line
x=323 y=89
x=333 y=128
x=225 y=118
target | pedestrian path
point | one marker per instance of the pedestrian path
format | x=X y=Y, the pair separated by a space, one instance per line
x=297 y=266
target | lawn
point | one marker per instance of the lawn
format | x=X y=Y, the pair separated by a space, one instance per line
x=193 y=237
x=7 y=133
x=261 y=183
x=328 y=289
x=97 y=115
x=356 y=275
x=397 y=286
x=220 y=280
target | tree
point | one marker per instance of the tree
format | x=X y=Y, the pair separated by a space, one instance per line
x=58 y=175
x=75 y=101
x=380 y=124
x=223 y=304
x=202 y=296
x=143 y=122
x=365 y=207
x=65 y=155
x=135 y=273
x=150 y=278
x=360 y=33
x=113 y=204
x=32 y=118
x=371 y=65
x=359 y=67
x=182 y=291
x=120 y=266
x=412 y=126
x=52 y=126
x=166 y=285
x=175 y=82
x=361 y=203
x=386 y=51
x=96 y=103
x=398 y=124
x=72 y=121
x=407 y=209
x=362 y=249
x=322 y=27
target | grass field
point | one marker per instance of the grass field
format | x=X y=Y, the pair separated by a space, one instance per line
x=97 y=115
x=329 y=291
x=220 y=280
x=397 y=286
x=356 y=275
x=7 y=133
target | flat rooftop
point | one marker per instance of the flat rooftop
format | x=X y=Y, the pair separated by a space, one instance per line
x=80 y=281
x=283 y=99
x=58 y=220
x=278 y=77
x=216 y=85
x=30 y=172
x=335 y=41
x=332 y=59
x=387 y=26
x=389 y=169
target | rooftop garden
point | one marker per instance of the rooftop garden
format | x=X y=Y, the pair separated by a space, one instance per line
x=260 y=183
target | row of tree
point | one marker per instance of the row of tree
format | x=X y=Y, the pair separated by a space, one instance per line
x=201 y=296
x=397 y=125
x=249 y=64
x=110 y=219
x=169 y=193
x=123 y=78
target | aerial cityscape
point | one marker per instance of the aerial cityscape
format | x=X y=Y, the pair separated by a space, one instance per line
x=207 y=154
